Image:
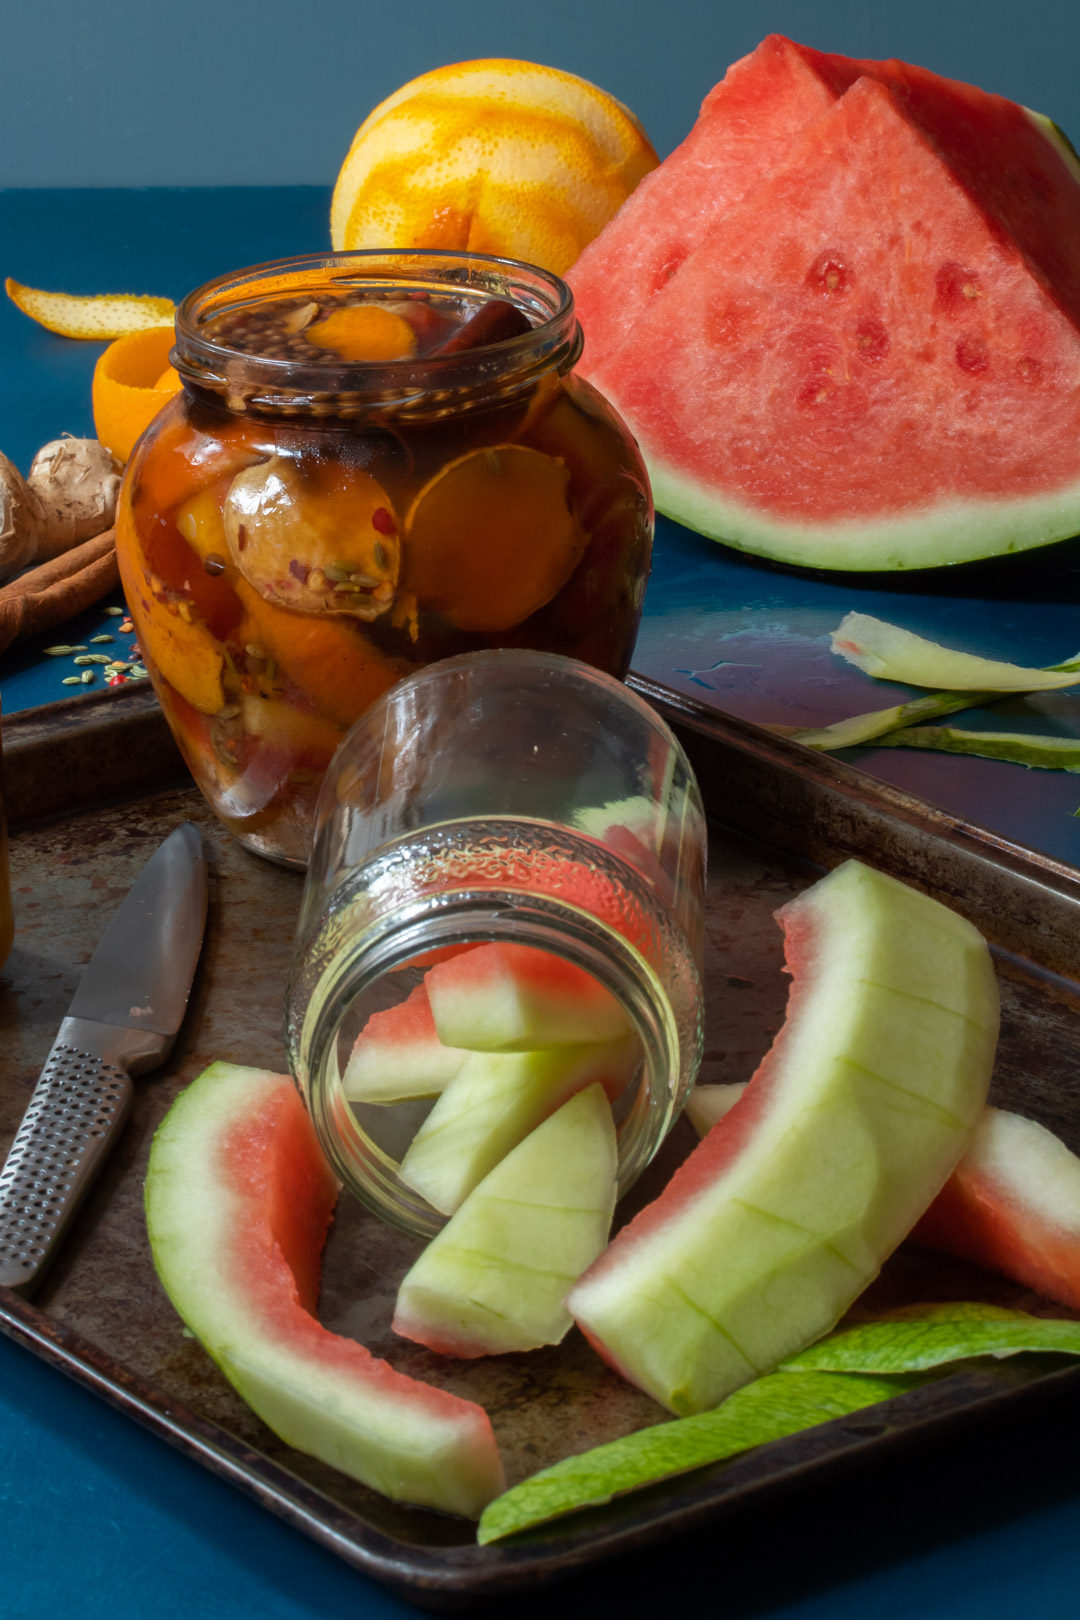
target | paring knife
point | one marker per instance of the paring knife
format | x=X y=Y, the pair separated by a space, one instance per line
x=123 y=1021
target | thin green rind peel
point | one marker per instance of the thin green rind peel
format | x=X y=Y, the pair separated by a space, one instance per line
x=864 y=728
x=890 y=653
x=926 y=1336
x=850 y=1369
x=1015 y=747
x=768 y=1409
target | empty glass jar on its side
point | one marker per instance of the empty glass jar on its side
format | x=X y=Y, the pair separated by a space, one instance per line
x=514 y=797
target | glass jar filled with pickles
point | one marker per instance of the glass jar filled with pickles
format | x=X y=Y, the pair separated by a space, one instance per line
x=377 y=460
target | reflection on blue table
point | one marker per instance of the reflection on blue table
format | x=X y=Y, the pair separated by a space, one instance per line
x=753 y=640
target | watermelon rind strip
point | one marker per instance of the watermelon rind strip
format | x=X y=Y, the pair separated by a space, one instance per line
x=1014 y=747
x=947 y=533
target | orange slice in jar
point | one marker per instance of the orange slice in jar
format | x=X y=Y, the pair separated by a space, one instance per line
x=321 y=539
x=491 y=538
x=364 y=332
x=186 y=655
x=177 y=644
x=186 y=459
x=327 y=660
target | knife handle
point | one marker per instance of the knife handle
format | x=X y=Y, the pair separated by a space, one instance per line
x=76 y=1111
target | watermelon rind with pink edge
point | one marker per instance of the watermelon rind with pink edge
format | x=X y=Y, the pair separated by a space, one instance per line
x=1012 y=1205
x=870 y=360
x=786 y=1210
x=238 y=1202
x=506 y=997
x=492 y=1104
x=494 y=1280
x=398 y=1054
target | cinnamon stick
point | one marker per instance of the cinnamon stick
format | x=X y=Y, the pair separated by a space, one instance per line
x=47 y=596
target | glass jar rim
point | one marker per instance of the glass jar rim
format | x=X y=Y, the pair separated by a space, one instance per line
x=247 y=381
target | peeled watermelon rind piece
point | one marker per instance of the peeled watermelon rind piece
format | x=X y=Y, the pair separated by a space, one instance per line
x=504 y=997
x=398 y=1054
x=1012 y=1205
x=238 y=1200
x=492 y=1104
x=785 y=1211
x=923 y=409
x=495 y=1278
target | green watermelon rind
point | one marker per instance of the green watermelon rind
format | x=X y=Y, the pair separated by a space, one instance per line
x=406 y=1439
x=949 y=532
x=1057 y=137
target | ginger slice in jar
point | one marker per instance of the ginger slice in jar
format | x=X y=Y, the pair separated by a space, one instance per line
x=321 y=540
x=364 y=332
x=491 y=538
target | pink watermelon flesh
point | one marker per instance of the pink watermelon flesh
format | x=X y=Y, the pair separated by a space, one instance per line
x=398 y=1054
x=1012 y=1205
x=745 y=128
x=239 y=1199
x=873 y=359
x=515 y=998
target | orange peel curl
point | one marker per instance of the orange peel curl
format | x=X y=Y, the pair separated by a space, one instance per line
x=132 y=381
x=103 y=316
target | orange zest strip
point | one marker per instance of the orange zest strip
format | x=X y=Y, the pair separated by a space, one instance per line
x=108 y=315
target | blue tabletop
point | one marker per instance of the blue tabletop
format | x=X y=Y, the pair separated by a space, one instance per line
x=100 y=1517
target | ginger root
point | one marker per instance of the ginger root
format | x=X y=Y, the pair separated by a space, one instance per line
x=68 y=495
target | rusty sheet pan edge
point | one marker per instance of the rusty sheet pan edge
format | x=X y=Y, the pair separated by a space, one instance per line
x=824 y=810
x=445 y=1579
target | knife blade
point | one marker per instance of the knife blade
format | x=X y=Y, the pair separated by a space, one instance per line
x=122 y=1022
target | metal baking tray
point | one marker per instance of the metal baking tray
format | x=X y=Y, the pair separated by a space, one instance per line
x=92 y=786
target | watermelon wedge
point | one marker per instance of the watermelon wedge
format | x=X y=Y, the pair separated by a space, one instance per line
x=745 y=127
x=238 y=1202
x=871 y=358
x=787 y=1209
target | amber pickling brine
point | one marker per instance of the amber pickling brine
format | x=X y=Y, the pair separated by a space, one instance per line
x=378 y=460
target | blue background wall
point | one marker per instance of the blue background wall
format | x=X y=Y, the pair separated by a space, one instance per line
x=269 y=92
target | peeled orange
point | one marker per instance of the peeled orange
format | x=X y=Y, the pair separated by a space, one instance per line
x=494 y=156
x=132 y=381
